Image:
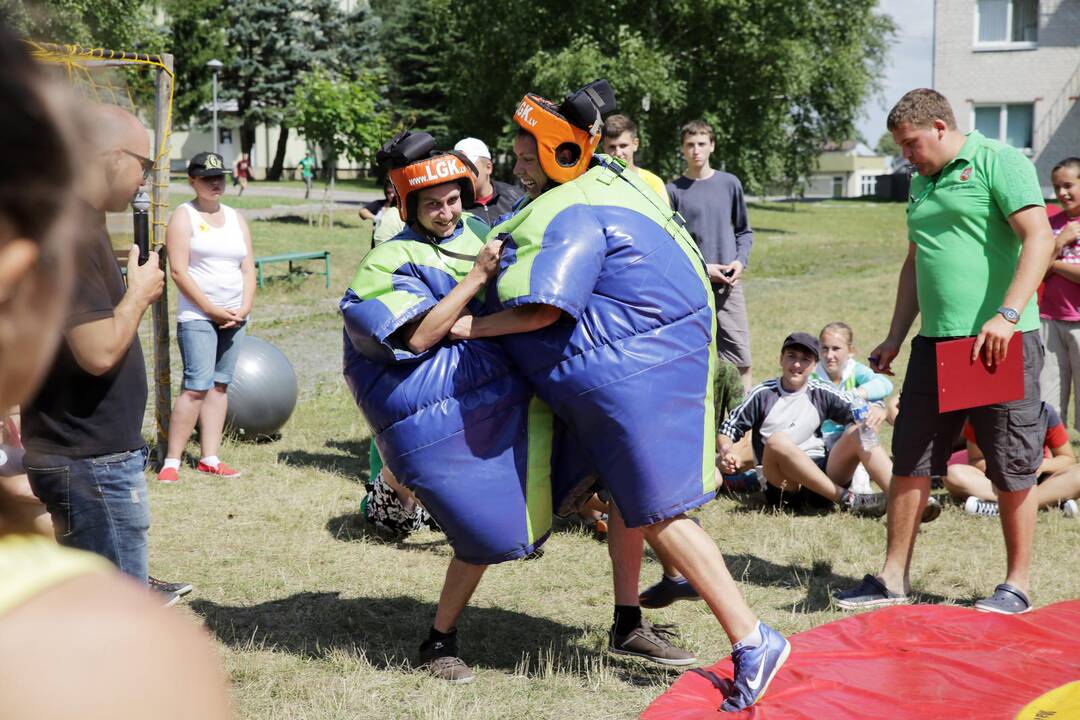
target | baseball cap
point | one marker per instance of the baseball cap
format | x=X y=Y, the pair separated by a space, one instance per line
x=804 y=341
x=474 y=149
x=206 y=164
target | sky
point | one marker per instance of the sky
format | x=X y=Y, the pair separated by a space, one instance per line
x=909 y=63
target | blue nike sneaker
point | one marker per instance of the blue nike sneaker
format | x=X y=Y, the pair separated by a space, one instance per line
x=755 y=668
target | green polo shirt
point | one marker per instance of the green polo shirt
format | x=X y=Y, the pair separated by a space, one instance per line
x=965 y=251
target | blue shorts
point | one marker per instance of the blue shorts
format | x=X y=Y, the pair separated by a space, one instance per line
x=209 y=353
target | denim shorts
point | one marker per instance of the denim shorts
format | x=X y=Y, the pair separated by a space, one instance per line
x=209 y=353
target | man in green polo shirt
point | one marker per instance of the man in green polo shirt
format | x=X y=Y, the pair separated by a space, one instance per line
x=979 y=246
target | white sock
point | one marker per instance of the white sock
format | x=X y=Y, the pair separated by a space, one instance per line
x=212 y=461
x=173 y=463
x=750 y=641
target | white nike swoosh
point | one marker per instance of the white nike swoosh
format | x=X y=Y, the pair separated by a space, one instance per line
x=756 y=682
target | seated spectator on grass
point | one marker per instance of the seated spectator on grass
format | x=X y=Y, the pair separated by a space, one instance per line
x=785 y=417
x=77 y=638
x=839 y=368
x=212 y=263
x=1058 y=476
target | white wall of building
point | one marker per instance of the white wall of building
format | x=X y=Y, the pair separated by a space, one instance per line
x=979 y=77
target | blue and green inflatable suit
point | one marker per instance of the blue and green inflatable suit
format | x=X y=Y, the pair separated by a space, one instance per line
x=457 y=424
x=629 y=366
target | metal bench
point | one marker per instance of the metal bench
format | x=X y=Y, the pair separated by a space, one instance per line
x=290 y=258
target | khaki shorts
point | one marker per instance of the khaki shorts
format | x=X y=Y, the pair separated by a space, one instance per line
x=732 y=325
x=1010 y=434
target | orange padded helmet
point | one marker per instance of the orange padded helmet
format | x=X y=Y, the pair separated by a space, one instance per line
x=415 y=164
x=566 y=134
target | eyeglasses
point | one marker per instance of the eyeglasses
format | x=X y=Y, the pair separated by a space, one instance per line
x=147 y=163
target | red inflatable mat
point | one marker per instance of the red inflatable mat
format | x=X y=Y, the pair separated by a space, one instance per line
x=913 y=661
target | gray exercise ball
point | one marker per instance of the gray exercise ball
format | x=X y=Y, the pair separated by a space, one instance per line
x=262 y=394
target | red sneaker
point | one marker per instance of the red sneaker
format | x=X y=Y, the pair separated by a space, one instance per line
x=221 y=470
x=168 y=475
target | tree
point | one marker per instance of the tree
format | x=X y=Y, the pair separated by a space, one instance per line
x=886 y=145
x=343 y=115
x=196 y=36
x=776 y=80
x=418 y=40
x=111 y=24
x=269 y=59
x=642 y=73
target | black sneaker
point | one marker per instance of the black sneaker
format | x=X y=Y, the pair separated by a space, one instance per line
x=180 y=589
x=650 y=642
x=440 y=659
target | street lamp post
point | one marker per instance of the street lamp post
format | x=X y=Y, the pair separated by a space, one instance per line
x=215 y=66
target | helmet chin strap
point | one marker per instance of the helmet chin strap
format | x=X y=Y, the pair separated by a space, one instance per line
x=429 y=237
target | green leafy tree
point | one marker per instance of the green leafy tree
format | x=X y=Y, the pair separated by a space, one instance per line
x=343 y=116
x=196 y=36
x=776 y=80
x=268 y=59
x=418 y=41
x=642 y=73
x=886 y=145
x=112 y=24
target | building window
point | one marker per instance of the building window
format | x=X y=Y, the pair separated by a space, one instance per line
x=868 y=185
x=1007 y=22
x=1010 y=124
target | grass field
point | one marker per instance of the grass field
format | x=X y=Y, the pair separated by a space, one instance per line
x=316 y=619
x=250 y=202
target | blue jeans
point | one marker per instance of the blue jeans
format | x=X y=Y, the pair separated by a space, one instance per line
x=209 y=353
x=97 y=503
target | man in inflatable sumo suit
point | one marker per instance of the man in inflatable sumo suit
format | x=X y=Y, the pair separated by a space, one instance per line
x=455 y=422
x=627 y=363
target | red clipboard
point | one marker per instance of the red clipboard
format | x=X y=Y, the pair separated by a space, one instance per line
x=964 y=384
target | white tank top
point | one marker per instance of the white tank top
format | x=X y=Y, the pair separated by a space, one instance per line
x=214 y=263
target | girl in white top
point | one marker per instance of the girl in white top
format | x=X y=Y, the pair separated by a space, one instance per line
x=213 y=266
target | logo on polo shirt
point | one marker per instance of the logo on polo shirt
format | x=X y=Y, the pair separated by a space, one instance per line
x=964 y=176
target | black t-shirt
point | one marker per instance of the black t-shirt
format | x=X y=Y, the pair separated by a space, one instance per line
x=500 y=203
x=75 y=413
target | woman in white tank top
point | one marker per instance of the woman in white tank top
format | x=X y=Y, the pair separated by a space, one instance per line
x=212 y=264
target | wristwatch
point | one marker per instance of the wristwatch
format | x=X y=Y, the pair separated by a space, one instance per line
x=1009 y=314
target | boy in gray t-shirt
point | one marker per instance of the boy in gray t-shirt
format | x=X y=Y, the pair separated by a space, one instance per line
x=713 y=205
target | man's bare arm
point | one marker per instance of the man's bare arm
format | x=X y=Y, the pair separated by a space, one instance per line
x=100 y=344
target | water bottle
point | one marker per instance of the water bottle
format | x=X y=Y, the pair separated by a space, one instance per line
x=860 y=411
